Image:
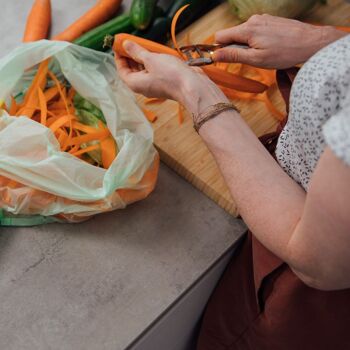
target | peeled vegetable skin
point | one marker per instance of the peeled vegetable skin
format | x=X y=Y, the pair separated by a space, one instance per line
x=283 y=8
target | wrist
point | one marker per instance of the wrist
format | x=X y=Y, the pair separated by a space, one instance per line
x=329 y=34
x=198 y=93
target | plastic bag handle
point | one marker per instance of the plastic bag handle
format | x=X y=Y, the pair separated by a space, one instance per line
x=25 y=221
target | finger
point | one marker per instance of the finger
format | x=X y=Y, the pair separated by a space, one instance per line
x=247 y=56
x=138 y=82
x=135 y=67
x=238 y=33
x=135 y=51
x=123 y=67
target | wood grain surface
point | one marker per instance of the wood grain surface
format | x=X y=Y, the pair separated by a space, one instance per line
x=179 y=145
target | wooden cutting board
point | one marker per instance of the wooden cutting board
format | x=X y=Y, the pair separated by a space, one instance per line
x=179 y=145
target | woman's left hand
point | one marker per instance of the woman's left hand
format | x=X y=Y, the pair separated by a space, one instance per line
x=165 y=76
x=152 y=74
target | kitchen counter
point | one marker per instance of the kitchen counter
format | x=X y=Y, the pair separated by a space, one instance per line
x=103 y=283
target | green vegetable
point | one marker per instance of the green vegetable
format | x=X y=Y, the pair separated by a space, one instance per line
x=196 y=9
x=159 y=31
x=83 y=105
x=283 y=8
x=141 y=13
x=94 y=39
x=89 y=114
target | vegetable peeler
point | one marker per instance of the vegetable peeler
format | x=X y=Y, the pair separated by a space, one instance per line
x=201 y=54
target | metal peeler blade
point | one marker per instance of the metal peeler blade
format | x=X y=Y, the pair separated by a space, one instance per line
x=201 y=55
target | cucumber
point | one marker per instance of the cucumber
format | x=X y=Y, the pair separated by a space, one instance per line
x=141 y=13
x=94 y=39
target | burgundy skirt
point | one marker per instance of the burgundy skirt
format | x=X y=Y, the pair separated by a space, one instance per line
x=260 y=304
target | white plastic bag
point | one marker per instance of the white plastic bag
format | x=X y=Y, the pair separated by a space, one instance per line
x=30 y=155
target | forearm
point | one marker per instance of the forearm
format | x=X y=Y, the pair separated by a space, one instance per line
x=269 y=201
x=328 y=35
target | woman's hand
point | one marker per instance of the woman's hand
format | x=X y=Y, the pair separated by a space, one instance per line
x=165 y=76
x=275 y=42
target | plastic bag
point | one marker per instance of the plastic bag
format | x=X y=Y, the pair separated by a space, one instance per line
x=38 y=182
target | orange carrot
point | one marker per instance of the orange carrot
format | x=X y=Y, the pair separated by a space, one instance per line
x=98 y=135
x=342 y=28
x=31 y=99
x=180 y=113
x=173 y=27
x=233 y=81
x=61 y=122
x=220 y=77
x=150 y=115
x=154 y=100
x=84 y=128
x=100 y=13
x=108 y=151
x=38 y=21
x=51 y=93
x=147 y=44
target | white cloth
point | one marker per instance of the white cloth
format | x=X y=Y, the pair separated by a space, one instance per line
x=319 y=113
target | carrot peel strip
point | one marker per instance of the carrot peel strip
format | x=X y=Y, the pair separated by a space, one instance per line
x=150 y=115
x=180 y=113
x=61 y=122
x=154 y=100
x=173 y=27
x=98 y=135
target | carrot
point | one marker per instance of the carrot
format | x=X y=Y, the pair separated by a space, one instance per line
x=220 y=77
x=61 y=122
x=173 y=27
x=38 y=21
x=98 y=135
x=84 y=128
x=147 y=44
x=31 y=98
x=98 y=14
x=150 y=115
x=54 y=108
x=51 y=93
x=154 y=100
x=108 y=151
x=234 y=81
x=342 y=28
x=180 y=113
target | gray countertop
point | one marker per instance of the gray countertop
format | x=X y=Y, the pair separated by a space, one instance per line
x=99 y=284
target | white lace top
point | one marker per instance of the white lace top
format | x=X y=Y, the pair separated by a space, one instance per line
x=319 y=113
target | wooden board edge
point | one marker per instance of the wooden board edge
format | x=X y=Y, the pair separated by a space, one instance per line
x=229 y=207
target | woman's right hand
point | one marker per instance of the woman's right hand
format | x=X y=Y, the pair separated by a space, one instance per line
x=275 y=42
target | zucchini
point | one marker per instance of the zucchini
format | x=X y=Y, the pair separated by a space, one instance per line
x=196 y=9
x=159 y=31
x=94 y=39
x=141 y=13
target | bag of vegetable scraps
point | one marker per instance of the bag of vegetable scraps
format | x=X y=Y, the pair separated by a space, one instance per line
x=73 y=142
